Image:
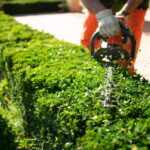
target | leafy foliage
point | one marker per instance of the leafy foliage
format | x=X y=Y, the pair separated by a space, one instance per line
x=60 y=91
x=7 y=136
x=26 y=1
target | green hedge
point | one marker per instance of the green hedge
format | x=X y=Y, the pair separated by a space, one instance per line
x=7 y=136
x=26 y=1
x=30 y=6
x=60 y=90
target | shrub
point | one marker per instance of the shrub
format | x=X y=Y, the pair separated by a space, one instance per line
x=14 y=7
x=60 y=91
x=7 y=136
x=26 y=1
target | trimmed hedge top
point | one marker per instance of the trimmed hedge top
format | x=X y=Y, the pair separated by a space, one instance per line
x=14 y=7
x=60 y=90
x=26 y=1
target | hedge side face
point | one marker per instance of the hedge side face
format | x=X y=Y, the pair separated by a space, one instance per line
x=7 y=136
x=60 y=90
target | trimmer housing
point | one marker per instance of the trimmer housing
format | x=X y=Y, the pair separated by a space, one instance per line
x=114 y=51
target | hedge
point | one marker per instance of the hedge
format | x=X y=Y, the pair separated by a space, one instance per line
x=7 y=137
x=25 y=1
x=14 y=7
x=59 y=90
x=8 y=140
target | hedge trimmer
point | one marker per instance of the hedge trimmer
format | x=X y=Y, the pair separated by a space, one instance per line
x=112 y=51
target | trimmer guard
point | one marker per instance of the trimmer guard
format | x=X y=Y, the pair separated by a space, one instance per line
x=111 y=54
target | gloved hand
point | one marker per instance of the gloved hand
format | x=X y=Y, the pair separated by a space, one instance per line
x=108 y=23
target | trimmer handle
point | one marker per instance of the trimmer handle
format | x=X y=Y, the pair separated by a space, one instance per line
x=126 y=33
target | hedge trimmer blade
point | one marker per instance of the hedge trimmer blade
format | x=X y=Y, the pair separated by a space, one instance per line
x=108 y=98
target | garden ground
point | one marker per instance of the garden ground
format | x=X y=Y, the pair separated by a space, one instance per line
x=68 y=27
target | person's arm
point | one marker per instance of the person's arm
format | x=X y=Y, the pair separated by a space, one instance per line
x=93 y=6
x=108 y=24
x=130 y=6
